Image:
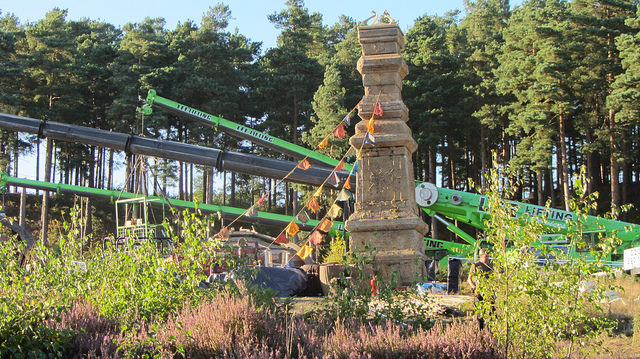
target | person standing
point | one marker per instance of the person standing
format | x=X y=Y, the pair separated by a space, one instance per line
x=479 y=270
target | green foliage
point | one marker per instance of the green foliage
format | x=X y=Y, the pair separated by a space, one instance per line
x=538 y=294
x=336 y=251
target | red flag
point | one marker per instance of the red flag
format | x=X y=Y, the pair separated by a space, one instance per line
x=313 y=205
x=339 y=131
x=261 y=200
x=347 y=183
x=304 y=164
x=340 y=165
x=282 y=238
x=377 y=110
x=325 y=225
x=316 y=238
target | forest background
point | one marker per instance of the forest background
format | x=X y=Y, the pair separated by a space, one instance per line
x=548 y=86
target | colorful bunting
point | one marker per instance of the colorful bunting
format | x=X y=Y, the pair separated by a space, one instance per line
x=347 y=183
x=369 y=139
x=304 y=164
x=282 y=238
x=318 y=192
x=347 y=120
x=313 y=205
x=252 y=212
x=324 y=142
x=325 y=225
x=339 y=131
x=304 y=252
x=316 y=238
x=292 y=228
x=370 y=127
x=344 y=195
x=334 y=211
x=340 y=165
x=377 y=110
x=261 y=200
x=303 y=216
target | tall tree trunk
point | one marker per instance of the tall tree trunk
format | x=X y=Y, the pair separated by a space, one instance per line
x=210 y=185
x=37 y=162
x=44 y=216
x=191 y=182
x=15 y=158
x=432 y=179
x=110 y=178
x=205 y=184
x=591 y=171
x=224 y=188
x=483 y=158
x=92 y=184
x=540 y=187
x=233 y=190
x=563 y=160
x=23 y=207
x=271 y=194
x=615 y=168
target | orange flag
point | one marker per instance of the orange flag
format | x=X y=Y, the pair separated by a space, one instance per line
x=292 y=228
x=316 y=238
x=324 y=142
x=261 y=200
x=339 y=131
x=224 y=233
x=282 y=238
x=340 y=165
x=304 y=164
x=377 y=110
x=313 y=205
x=370 y=127
x=325 y=225
x=347 y=183
x=305 y=251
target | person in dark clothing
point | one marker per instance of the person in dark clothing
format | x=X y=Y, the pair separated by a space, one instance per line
x=479 y=270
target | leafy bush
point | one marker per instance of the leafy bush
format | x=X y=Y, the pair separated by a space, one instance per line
x=529 y=307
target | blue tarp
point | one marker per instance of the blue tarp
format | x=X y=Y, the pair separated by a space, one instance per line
x=285 y=281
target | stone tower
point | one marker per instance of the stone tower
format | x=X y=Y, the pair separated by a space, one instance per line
x=386 y=224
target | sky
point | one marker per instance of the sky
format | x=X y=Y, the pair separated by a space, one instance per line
x=248 y=16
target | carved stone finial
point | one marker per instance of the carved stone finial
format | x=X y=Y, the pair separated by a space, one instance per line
x=386 y=14
x=378 y=20
x=374 y=17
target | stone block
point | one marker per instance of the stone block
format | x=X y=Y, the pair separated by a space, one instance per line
x=392 y=109
x=380 y=34
x=383 y=63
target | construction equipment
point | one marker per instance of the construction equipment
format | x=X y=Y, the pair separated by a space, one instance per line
x=445 y=205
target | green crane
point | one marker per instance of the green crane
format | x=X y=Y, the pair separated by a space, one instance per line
x=444 y=204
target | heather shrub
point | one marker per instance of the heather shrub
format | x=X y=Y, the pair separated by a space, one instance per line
x=215 y=326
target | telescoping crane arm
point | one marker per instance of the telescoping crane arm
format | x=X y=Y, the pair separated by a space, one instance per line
x=237 y=130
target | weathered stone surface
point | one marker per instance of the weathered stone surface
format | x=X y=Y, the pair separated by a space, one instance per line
x=386 y=224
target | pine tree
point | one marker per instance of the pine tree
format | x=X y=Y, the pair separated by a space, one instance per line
x=483 y=25
x=601 y=22
x=536 y=66
x=624 y=99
